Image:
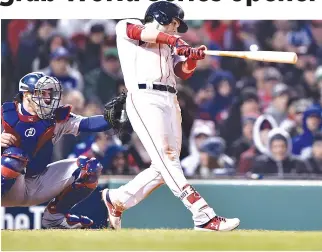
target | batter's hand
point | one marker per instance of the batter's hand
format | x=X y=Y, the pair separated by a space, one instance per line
x=7 y=140
x=197 y=53
x=182 y=48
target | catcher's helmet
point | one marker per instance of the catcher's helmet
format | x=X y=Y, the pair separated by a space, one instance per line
x=164 y=12
x=45 y=92
x=29 y=81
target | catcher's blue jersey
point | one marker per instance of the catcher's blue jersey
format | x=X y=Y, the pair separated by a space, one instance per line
x=36 y=136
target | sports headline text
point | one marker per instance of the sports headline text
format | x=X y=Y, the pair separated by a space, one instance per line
x=7 y=3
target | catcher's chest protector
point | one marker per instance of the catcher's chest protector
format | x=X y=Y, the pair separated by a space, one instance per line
x=34 y=136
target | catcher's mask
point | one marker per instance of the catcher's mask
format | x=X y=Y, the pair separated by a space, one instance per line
x=47 y=95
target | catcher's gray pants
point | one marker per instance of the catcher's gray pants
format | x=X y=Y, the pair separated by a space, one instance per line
x=41 y=188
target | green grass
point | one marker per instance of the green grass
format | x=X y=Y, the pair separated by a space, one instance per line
x=157 y=239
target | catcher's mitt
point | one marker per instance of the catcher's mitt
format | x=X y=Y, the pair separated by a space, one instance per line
x=115 y=113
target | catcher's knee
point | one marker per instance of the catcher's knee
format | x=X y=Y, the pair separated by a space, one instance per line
x=13 y=162
x=87 y=179
x=90 y=171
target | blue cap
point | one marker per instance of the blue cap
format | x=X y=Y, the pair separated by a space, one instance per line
x=214 y=146
x=60 y=52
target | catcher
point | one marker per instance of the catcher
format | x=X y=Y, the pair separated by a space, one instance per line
x=31 y=126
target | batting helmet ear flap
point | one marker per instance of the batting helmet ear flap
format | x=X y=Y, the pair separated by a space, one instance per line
x=148 y=19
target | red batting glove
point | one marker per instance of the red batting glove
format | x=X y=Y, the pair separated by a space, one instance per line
x=182 y=48
x=197 y=53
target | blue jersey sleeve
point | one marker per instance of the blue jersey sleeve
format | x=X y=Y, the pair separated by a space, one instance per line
x=94 y=124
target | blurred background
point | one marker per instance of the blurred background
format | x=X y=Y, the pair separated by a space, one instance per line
x=240 y=118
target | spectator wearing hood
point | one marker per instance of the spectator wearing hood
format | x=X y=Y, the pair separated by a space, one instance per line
x=278 y=161
x=312 y=124
x=59 y=67
x=217 y=108
x=280 y=98
x=231 y=128
x=200 y=133
x=213 y=160
x=262 y=126
x=314 y=162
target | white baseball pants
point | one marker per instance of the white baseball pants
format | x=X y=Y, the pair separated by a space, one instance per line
x=156 y=118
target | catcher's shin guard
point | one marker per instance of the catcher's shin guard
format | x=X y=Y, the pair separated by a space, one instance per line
x=13 y=163
x=87 y=179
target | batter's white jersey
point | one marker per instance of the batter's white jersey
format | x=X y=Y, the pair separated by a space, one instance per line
x=155 y=116
x=144 y=63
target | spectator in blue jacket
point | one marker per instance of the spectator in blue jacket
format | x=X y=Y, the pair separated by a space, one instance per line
x=312 y=124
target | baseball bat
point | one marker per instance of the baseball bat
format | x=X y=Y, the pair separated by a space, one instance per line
x=268 y=56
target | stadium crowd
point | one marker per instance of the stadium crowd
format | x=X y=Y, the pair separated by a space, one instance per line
x=240 y=117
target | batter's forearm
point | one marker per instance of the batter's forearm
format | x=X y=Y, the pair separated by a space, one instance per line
x=150 y=35
x=185 y=69
x=94 y=124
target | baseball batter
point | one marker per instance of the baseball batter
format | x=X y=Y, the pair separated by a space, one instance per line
x=32 y=124
x=151 y=55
